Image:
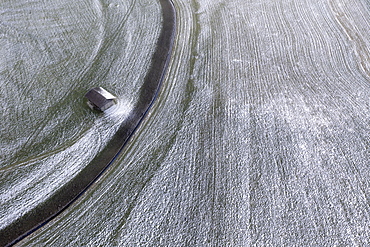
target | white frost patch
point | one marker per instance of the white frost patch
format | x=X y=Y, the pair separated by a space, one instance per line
x=45 y=176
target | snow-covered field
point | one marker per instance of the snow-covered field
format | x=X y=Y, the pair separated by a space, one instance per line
x=260 y=136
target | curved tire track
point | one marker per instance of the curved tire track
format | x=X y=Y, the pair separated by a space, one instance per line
x=71 y=191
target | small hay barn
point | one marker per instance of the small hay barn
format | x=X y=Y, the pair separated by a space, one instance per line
x=100 y=99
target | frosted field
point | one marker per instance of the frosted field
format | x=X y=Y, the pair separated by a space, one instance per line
x=260 y=135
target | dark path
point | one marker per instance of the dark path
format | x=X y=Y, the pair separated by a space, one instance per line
x=70 y=192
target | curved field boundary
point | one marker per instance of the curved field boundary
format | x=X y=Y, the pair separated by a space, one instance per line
x=71 y=191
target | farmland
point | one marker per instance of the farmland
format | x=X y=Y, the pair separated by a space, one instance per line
x=259 y=136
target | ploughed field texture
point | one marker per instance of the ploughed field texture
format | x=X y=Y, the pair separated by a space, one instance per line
x=260 y=135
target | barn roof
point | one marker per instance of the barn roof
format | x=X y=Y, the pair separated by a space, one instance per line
x=99 y=97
